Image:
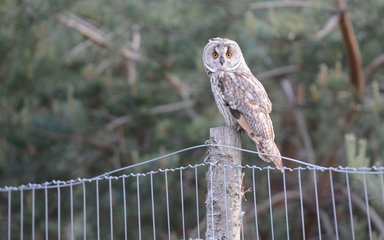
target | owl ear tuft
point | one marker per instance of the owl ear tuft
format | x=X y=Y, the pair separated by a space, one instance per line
x=215 y=39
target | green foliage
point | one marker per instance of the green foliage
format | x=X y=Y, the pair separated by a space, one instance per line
x=356 y=157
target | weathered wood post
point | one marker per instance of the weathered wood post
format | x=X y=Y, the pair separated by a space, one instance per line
x=224 y=186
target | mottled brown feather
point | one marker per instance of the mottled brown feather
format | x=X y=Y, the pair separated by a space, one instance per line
x=273 y=153
x=248 y=103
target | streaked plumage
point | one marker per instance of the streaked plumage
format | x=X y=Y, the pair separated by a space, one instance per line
x=240 y=97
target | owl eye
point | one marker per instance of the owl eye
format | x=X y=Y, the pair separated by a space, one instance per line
x=215 y=55
x=229 y=55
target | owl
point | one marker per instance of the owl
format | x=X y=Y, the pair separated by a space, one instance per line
x=240 y=97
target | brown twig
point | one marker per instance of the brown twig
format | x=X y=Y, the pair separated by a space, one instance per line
x=353 y=50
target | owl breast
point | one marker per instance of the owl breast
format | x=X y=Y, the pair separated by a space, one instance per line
x=219 y=81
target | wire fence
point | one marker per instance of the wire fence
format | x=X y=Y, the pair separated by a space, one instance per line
x=300 y=203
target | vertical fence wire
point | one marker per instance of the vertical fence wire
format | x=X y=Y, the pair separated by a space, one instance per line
x=182 y=202
x=270 y=204
x=211 y=169
x=301 y=203
x=125 y=209
x=317 y=203
x=350 y=206
x=138 y=206
x=241 y=201
x=301 y=206
x=167 y=201
x=22 y=214
x=286 y=204
x=98 y=209
x=333 y=205
x=46 y=212
x=58 y=213
x=197 y=204
x=110 y=208
x=153 y=209
x=367 y=206
x=33 y=214
x=9 y=213
x=254 y=204
x=84 y=212
x=71 y=211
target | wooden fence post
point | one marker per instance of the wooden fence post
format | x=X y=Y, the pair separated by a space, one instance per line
x=224 y=186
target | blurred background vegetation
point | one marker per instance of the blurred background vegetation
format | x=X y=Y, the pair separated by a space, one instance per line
x=89 y=86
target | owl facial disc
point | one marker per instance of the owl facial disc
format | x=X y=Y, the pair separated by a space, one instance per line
x=222 y=54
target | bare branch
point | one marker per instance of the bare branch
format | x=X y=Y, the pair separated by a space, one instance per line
x=130 y=66
x=328 y=28
x=327 y=224
x=278 y=72
x=104 y=65
x=117 y=122
x=85 y=28
x=373 y=66
x=103 y=113
x=78 y=49
x=93 y=33
x=280 y=4
x=181 y=88
x=288 y=90
x=172 y=107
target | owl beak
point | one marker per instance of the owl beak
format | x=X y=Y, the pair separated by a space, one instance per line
x=221 y=60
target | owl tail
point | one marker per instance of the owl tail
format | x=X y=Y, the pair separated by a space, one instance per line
x=270 y=153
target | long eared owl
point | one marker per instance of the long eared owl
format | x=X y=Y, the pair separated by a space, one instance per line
x=240 y=97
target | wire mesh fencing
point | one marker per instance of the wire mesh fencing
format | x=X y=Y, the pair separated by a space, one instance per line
x=301 y=203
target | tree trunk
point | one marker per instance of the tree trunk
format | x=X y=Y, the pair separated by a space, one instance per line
x=224 y=186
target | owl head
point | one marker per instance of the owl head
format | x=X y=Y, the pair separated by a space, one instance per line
x=222 y=54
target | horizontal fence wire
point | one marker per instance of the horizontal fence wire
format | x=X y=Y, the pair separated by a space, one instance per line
x=304 y=202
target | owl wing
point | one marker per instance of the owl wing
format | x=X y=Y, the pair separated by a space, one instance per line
x=249 y=104
x=252 y=90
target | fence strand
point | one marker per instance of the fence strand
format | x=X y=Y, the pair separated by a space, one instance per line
x=108 y=175
x=88 y=207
